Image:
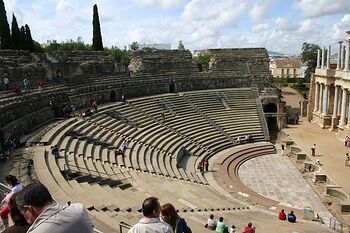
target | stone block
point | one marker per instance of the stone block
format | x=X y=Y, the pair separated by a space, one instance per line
x=320 y=178
x=301 y=156
x=345 y=206
x=295 y=149
x=289 y=142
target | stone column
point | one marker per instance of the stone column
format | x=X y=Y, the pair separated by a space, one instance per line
x=348 y=125
x=329 y=57
x=343 y=108
x=340 y=94
x=339 y=55
x=335 y=107
x=317 y=91
x=325 y=99
x=323 y=54
x=320 y=98
x=318 y=58
x=347 y=53
x=343 y=57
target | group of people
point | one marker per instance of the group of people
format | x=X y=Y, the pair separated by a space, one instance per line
x=220 y=226
x=293 y=120
x=25 y=85
x=291 y=216
x=33 y=210
x=161 y=219
x=203 y=166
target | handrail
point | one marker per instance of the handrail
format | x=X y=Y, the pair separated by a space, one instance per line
x=123 y=225
x=262 y=116
x=4 y=189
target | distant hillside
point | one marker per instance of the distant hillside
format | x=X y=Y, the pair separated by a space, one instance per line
x=276 y=54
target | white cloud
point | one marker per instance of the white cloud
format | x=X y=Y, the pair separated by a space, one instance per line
x=285 y=24
x=260 y=27
x=317 y=8
x=165 y=4
x=339 y=28
x=258 y=12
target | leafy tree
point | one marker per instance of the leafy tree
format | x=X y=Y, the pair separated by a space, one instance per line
x=15 y=33
x=37 y=47
x=28 y=39
x=97 y=37
x=309 y=54
x=5 y=35
x=69 y=45
x=181 y=46
x=203 y=59
x=121 y=56
x=134 y=46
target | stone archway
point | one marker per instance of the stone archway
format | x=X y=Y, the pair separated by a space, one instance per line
x=113 y=96
x=271 y=107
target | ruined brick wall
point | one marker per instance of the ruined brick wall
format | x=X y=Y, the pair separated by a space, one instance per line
x=18 y=65
x=240 y=61
x=161 y=61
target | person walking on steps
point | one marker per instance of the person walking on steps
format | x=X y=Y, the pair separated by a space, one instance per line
x=313 y=150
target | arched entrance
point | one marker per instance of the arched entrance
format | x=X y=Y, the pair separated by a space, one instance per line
x=271 y=120
x=271 y=107
x=112 y=96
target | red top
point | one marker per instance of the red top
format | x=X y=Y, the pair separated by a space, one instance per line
x=4 y=212
x=248 y=229
x=282 y=216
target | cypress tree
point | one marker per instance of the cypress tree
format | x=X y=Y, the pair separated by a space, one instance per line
x=96 y=38
x=22 y=38
x=5 y=36
x=15 y=33
x=28 y=39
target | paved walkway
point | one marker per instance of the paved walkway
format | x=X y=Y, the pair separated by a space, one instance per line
x=275 y=177
x=329 y=150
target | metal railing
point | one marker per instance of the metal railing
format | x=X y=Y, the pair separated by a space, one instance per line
x=223 y=98
x=123 y=225
x=168 y=105
x=4 y=189
x=336 y=225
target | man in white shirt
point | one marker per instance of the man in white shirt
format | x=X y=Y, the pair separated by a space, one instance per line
x=151 y=221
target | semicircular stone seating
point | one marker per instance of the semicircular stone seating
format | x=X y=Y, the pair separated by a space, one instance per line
x=167 y=136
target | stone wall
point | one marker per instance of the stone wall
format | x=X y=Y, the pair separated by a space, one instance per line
x=161 y=61
x=240 y=61
x=89 y=73
x=17 y=65
x=80 y=64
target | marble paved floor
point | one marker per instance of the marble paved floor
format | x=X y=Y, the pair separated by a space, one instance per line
x=276 y=177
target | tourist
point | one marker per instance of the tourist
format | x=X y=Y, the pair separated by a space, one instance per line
x=14 y=183
x=313 y=150
x=282 y=150
x=296 y=118
x=123 y=98
x=201 y=169
x=318 y=162
x=282 y=215
x=40 y=84
x=94 y=107
x=220 y=226
x=347 y=158
x=170 y=216
x=6 y=82
x=36 y=204
x=346 y=141
x=211 y=223
x=151 y=222
x=17 y=89
x=25 y=83
x=20 y=223
x=292 y=217
x=199 y=165
x=55 y=151
x=249 y=228
x=233 y=229
x=206 y=165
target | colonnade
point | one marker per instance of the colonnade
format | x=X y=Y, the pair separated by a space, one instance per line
x=340 y=105
x=342 y=60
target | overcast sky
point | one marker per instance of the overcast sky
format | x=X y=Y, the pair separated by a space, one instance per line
x=278 y=25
